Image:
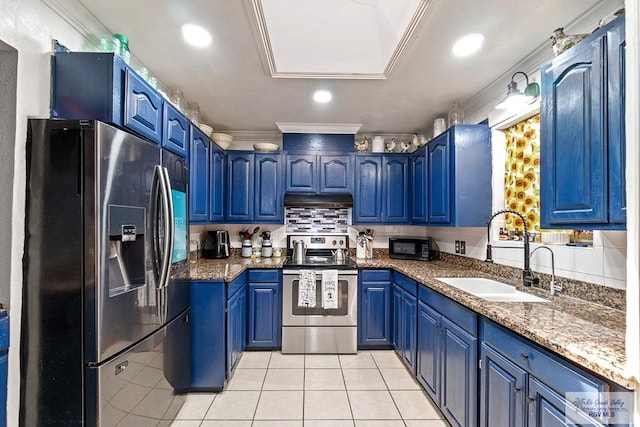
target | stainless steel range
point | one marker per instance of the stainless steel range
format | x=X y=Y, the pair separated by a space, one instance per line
x=320 y=288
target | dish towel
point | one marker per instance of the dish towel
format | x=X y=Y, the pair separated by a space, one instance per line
x=330 y=289
x=307 y=289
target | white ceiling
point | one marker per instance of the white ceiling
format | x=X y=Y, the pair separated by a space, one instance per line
x=232 y=83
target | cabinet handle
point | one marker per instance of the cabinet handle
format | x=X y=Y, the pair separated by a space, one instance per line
x=516 y=390
x=531 y=399
x=524 y=356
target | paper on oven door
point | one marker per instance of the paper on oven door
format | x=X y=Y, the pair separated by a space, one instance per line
x=330 y=289
x=307 y=289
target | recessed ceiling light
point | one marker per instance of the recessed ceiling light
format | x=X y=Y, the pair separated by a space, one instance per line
x=468 y=45
x=196 y=35
x=322 y=96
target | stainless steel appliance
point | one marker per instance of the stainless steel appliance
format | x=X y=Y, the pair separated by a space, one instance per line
x=216 y=244
x=321 y=322
x=422 y=249
x=105 y=315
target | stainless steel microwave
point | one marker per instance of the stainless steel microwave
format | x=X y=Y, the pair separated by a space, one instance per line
x=424 y=249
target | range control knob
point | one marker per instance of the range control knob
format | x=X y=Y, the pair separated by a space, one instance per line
x=341 y=242
x=334 y=243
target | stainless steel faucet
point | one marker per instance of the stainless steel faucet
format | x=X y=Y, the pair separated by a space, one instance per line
x=553 y=287
x=527 y=275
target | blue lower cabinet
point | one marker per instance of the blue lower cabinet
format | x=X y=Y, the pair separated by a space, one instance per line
x=4 y=364
x=429 y=343
x=447 y=357
x=502 y=391
x=265 y=310
x=208 y=341
x=512 y=366
x=374 y=309
x=236 y=321
x=459 y=386
x=405 y=314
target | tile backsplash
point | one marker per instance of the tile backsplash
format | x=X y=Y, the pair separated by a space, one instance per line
x=317 y=220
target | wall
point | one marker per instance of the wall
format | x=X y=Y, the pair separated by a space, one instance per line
x=8 y=87
x=28 y=26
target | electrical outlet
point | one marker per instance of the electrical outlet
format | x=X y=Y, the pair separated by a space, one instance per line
x=463 y=247
x=457 y=246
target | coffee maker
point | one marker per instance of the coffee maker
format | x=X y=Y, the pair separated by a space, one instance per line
x=216 y=244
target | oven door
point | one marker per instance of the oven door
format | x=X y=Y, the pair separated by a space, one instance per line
x=296 y=314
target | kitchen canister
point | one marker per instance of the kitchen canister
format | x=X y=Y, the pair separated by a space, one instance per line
x=267 y=249
x=377 y=144
x=246 y=248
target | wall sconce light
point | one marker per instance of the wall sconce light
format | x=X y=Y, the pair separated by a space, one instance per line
x=515 y=98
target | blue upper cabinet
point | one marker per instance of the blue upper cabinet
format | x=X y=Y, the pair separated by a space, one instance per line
x=216 y=184
x=142 y=107
x=319 y=173
x=253 y=187
x=418 y=187
x=458 y=179
x=395 y=178
x=100 y=86
x=616 y=46
x=268 y=203
x=367 y=203
x=582 y=134
x=239 y=197
x=199 y=176
x=381 y=189
x=302 y=173
x=439 y=199
x=175 y=132
x=336 y=173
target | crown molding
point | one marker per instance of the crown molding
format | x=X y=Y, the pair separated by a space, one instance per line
x=79 y=18
x=319 y=127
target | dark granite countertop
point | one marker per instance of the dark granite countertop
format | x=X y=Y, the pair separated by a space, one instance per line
x=589 y=334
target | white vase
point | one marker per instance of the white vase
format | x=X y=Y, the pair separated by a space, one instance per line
x=377 y=145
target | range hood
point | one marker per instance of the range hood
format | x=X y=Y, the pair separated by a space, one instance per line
x=310 y=200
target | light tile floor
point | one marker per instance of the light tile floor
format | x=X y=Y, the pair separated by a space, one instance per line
x=371 y=389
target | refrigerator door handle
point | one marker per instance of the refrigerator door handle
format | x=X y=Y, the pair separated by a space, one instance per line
x=169 y=226
x=155 y=224
x=167 y=213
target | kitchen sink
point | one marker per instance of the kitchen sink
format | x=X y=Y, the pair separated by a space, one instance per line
x=490 y=290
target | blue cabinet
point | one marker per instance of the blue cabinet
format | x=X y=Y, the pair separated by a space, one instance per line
x=512 y=366
x=418 y=170
x=381 y=194
x=459 y=177
x=208 y=340
x=268 y=203
x=175 y=131
x=100 y=86
x=217 y=171
x=582 y=134
x=405 y=313
x=336 y=173
x=142 y=107
x=239 y=197
x=265 y=309
x=199 y=176
x=254 y=187
x=502 y=391
x=367 y=203
x=395 y=180
x=319 y=173
x=236 y=321
x=301 y=173
x=374 y=309
x=447 y=356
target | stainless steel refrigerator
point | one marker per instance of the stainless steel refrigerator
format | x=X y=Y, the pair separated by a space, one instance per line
x=105 y=319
